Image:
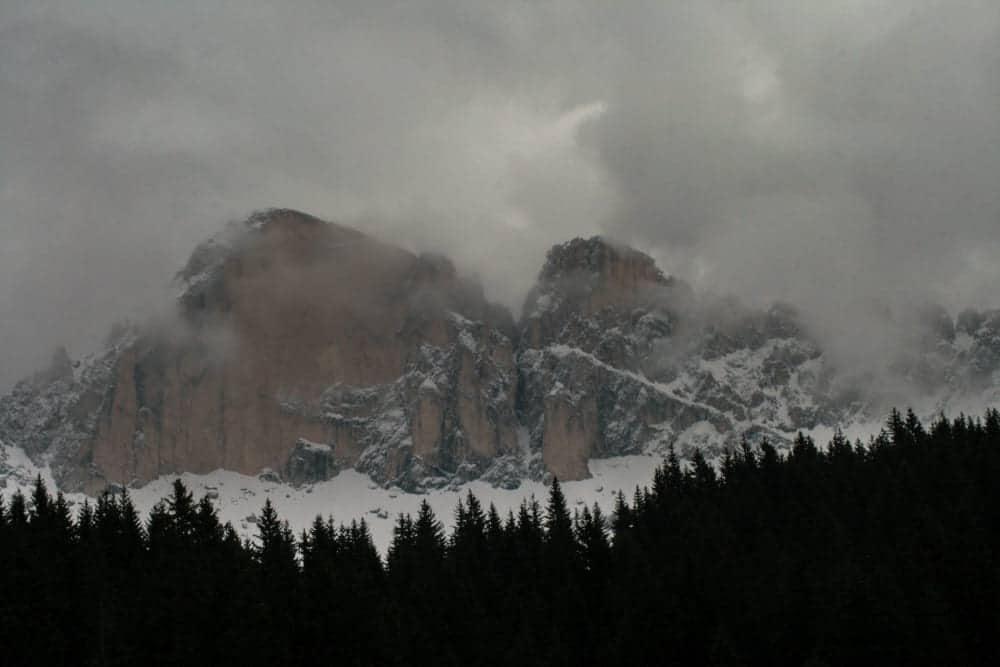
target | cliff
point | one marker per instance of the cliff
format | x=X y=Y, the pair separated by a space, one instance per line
x=299 y=348
x=294 y=330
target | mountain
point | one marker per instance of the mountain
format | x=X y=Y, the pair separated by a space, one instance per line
x=300 y=348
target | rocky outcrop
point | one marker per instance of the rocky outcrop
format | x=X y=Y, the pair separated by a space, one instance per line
x=310 y=462
x=292 y=329
x=301 y=348
x=618 y=359
x=597 y=329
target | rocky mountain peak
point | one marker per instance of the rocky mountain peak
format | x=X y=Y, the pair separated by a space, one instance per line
x=601 y=256
x=586 y=281
x=598 y=272
x=293 y=330
x=259 y=245
x=303 y=347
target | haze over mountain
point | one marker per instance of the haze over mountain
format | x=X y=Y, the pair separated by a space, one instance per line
x=298 y=348
x=842 y=157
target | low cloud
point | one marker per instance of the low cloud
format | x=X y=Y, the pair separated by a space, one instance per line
x=833 y=155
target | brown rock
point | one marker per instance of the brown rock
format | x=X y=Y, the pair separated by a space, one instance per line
x=586 y=285
x=295 y=306
x=570 y=436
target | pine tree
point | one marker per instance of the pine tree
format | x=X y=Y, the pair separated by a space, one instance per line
x=769 y=459
x=400 y=555
x=41 y=502
x=131 y=525
x=275 y=552
x=592 y=535
x=560 y=543
x=468 y=544
x=702 y=473
x=62 y=520
x=428 y=534
x=804 y=449
x=207 y=531
x=622 y=520
x=160 y=530
x=992 y=425
x=276 y=544
x=182 y=510
x=494 y=528
x=897 y=428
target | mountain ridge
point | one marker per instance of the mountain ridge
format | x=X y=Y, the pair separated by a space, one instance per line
x=301 y=348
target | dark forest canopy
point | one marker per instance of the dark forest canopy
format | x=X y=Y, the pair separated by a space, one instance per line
x=847 y=554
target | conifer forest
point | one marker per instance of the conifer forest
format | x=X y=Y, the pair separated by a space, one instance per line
x=882 y=552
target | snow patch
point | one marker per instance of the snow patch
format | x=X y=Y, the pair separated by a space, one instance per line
x=350 y=495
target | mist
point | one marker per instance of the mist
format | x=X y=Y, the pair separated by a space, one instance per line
x=839 y=156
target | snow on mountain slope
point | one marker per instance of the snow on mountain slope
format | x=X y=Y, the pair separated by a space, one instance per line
x=317 y=353
x=349 y=496
x=352 y=495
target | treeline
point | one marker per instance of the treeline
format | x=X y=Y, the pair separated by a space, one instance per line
x=877 y=553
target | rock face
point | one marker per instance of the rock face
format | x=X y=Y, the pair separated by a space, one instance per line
x=291 y=328
x=616 y=358
x=310 y=462
x=587 y=328
x=301 y=347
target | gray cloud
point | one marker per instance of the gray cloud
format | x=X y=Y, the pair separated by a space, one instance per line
x=831 y=154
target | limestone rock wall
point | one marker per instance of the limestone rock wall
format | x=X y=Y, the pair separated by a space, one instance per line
x=279 y=316
x=303 y=347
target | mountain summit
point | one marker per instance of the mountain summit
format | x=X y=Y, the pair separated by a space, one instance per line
x=301 y=347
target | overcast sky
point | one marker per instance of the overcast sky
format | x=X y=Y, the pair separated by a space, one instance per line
x=829 y=153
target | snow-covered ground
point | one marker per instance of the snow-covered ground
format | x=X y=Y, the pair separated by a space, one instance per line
x=351 y=495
